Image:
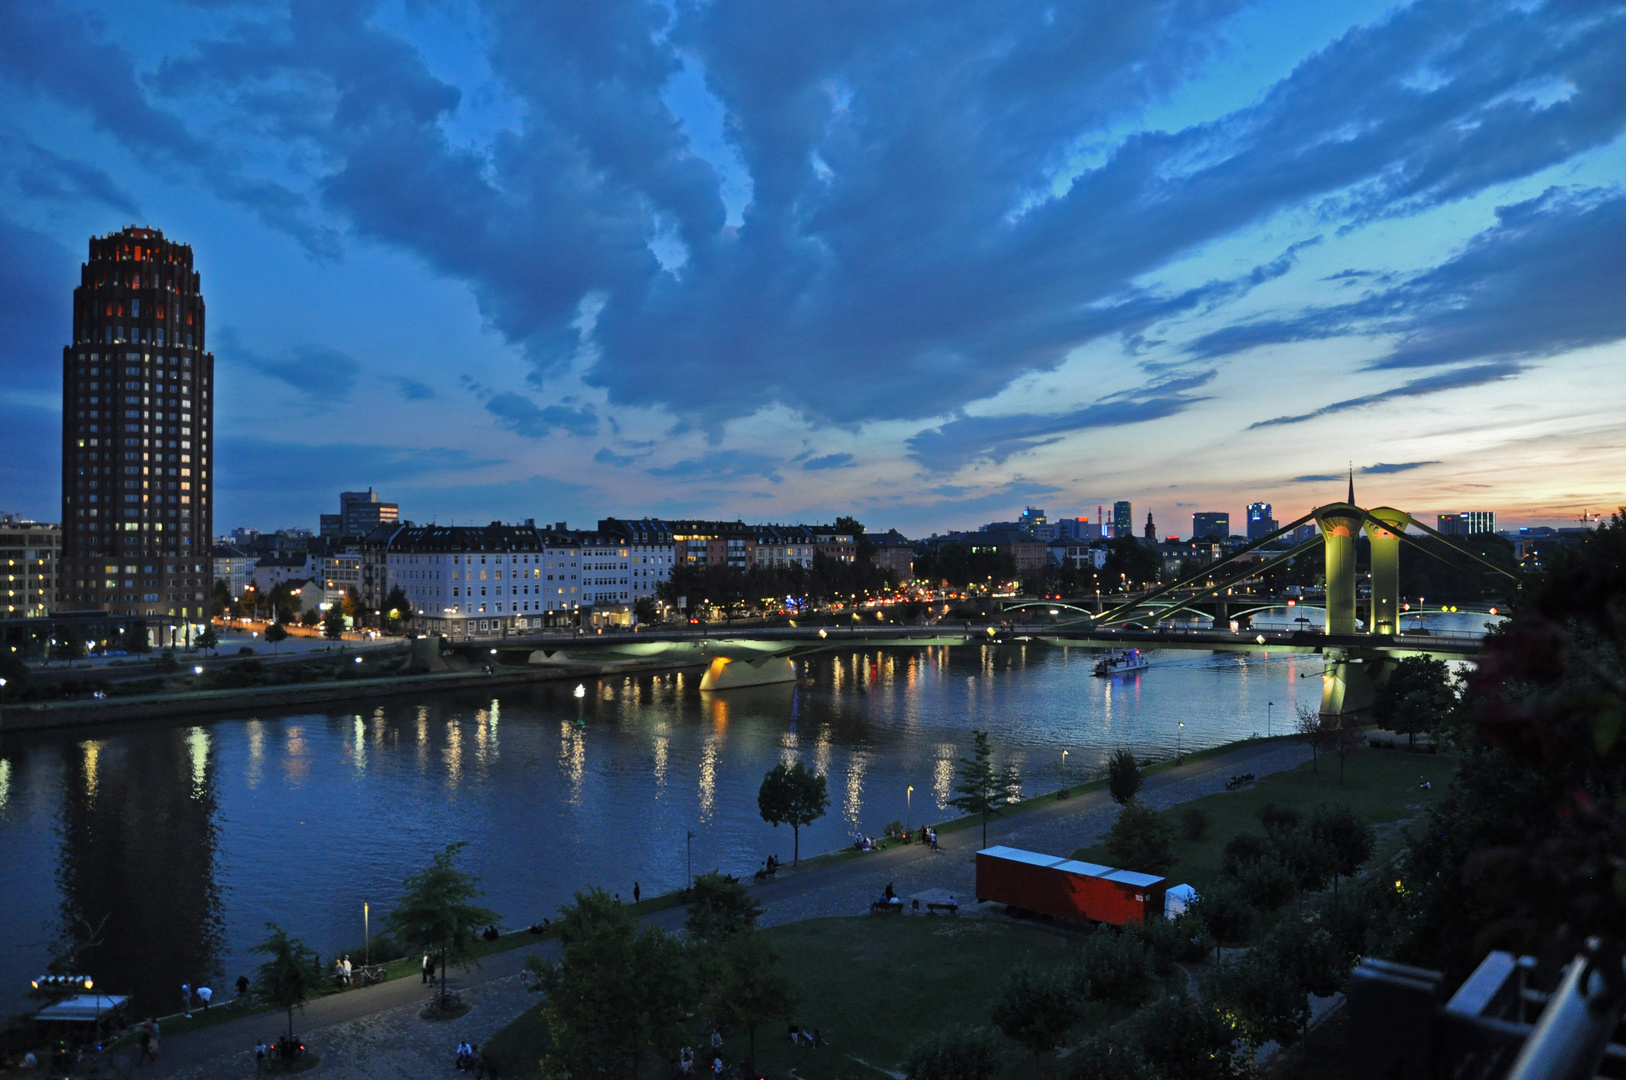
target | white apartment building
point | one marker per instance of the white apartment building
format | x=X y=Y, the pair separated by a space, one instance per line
x=235 y=567
x=486 y=581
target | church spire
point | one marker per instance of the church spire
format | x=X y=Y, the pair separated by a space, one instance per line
x=1352 y=483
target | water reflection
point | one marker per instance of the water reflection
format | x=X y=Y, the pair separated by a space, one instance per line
x=371 y=794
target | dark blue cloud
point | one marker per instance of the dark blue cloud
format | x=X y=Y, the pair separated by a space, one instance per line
x=828 y=461
x=413 y=390
x=719 y=464
x=1384 y=469
x=606 y=456
x=42 y=175
x=1317 y=478
x=321 y=375
x=523 y=416
x=35 y=308
x=1455 y=379
x=996 y=438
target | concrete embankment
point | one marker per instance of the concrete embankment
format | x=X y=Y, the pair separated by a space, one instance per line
x=85 y=712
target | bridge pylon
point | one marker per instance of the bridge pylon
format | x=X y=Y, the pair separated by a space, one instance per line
x=1384 y=617
x=1340 y=527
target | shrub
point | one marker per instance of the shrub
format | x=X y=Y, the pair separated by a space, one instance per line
x=964 y=1054
x=1194 y=823
x=1123 y=776
x=1109 y=1057
x=1115 y=969
x=1269 y=883
x=1035 y=1008
x=1140 y=840
x=1184 y=1040
x=1241 y=852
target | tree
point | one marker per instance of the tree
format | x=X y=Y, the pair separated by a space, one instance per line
x=289 y=973
x=1183 y=1039
x=982 y=789
x=352 y=603
x=208 y=639
x=437 y=911
x=396 y=604
x=1263 y=1001
x=956 y=1054
x=1343 y=737
x=1115 y=969
x=1035 y=1008
x=1123 y=776
x=863 y=546
x=616 y=991
x=221 y=602
x=751 y=988
x=1309 y=730
x=1141 y=840
x=1108 y=1057
x=1130 y=562
x=720 y=908
x=1418 y=696
x=1227 y=913
x=645 y=610
x=333 y=623
x=1350 y=839
x=795 y=796
x=276 y=634
x=1309 y=954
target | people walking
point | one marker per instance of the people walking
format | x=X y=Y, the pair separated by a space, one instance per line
x=636 y=892
x=186 y=999
x=242 y=986
x=428 y=967
x=204 y=995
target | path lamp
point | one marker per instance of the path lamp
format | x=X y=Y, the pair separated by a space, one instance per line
x=908 y=806
x=1269 y=705
x=1064 y=761
x=1179 y=741
x=366 y=935
x=689 y=844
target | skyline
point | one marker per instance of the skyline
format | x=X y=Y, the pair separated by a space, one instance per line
x=784 y=264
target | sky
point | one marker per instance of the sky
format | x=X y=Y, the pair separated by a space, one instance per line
x=921 y=263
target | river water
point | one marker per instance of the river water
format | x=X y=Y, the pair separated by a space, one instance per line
x=171 y=845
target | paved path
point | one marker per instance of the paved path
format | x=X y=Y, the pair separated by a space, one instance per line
x=376 y=1033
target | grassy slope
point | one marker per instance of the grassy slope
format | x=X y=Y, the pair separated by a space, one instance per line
x=1380 y=785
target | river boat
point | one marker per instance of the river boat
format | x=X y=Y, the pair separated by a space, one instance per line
x=1121 y=663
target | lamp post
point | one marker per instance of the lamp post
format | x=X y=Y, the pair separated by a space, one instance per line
x=1268 y=706
x=1179 y=741
x=2 y=693
x=689 y=842
x=908 y=806
x=1064 y=761
x=366 y=935
x=581 y=695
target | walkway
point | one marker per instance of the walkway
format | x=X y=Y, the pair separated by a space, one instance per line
x=375 y=1033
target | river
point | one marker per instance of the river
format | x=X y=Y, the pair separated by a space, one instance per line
x=171 y=845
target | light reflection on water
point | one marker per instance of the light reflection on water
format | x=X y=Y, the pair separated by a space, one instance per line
x=298 y=818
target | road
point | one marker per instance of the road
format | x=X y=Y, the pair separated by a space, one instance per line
x=375 y=1033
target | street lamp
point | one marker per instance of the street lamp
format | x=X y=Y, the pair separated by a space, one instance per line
x=1064 y=761
x=581 y=695
x=1179 y=741
x=908 y=806
x=1268 y=706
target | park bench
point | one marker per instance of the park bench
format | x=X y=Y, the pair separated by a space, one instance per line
x=882 y=907
x=1242 y=780
x=952 y=909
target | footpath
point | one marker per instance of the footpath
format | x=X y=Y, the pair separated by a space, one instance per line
x=375 y=1033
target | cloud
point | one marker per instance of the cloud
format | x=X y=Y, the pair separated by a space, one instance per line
x=965 y=439
x=828 y=461
x=1383 y=469
x=522 y=416
x=723 y=464
x=321 y=375
x=1316 y=478
x=606 y=456
x=1455 y=379
x=43 y=175
x=35 y=308
x=413 y=390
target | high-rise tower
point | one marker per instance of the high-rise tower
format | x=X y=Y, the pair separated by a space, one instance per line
x=137 y=433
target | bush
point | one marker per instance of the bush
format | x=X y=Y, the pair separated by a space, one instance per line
x=1270 y=884
x=1123 y=776
x=1115 y=969
x=1035 y=1008
x=1140 y=840
x=1106 y=1057
x=245 y=651
x=966 y=1054
x=1194 y=823
x=1184 y=1040
x=1242 y=851
x=1227 y=912
x=1170 y=942
x=893 y=829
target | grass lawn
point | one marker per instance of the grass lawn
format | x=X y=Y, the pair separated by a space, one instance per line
x=1380 y=785
x=872 y=987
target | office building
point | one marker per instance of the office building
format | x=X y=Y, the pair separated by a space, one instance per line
x=1211 y=524
x=30 y=553
x=137 y=436
x=1467 y=523
x=1123 y=519
x=360 y=512
x=1077 y=529
x=487 y=580
x=1260 y=521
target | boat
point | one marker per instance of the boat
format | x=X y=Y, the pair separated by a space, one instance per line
x=1121 y=663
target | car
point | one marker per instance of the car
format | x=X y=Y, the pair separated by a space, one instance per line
x=1135 y=626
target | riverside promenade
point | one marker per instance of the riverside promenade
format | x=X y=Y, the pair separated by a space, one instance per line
x=375 y=1033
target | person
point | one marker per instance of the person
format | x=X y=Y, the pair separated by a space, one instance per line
x=462 y=1055
x=204 y=994
x=934 y=839
x=818 y=1039
x=618 y=898
x=636 y=892
x=717 y=1065
x=954 y=905
x=338 y=971
x=259 y=1056
x=795 y=1034
x=186 y=999
x=242 y=986
x=716 y=1037
x=428 y=966
x=145 y=1042
x=889 y=894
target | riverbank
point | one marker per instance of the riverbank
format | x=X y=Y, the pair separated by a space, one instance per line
x=89 y=712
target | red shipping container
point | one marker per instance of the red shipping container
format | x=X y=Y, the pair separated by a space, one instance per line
x=1065 y=888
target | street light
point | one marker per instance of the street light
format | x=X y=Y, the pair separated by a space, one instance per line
x=1268 y=706
x=1179 y=741
x=908 y=806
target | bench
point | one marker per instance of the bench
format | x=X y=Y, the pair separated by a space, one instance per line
x=882 y=907
x=952 y=909
x=1239 y=781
